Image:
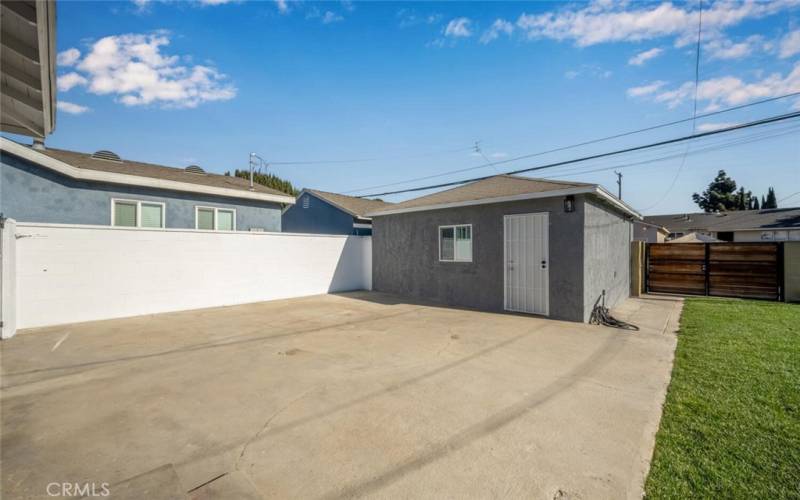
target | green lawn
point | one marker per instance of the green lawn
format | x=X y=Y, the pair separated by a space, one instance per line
x=731 y=423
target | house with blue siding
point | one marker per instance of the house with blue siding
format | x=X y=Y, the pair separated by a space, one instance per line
x=48 y=185
x=319 y=212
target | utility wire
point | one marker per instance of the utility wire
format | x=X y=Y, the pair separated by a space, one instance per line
x=676 y=140
x=694 y=110
x=790 y=196
x=585 y=143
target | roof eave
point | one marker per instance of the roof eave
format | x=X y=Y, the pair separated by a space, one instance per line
x=588 y=189
x=133 y=180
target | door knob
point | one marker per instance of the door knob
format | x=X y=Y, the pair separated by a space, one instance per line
x=544 y=264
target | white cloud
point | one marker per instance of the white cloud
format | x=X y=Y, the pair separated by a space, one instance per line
x=331 y=17
x=602 y=22
x=790 y=45
x=720 y=47
x=498 y=27
x=648 y=89
x=709 y=127
x=642 y=57
x=588 y=70
x=71 y=108
x=69 y=80
x=68 y=57
x=216 y=2
x=571 y=74
x=458 y=28
x=133 y=68
x=283 y=6
x=732 y=91
x=498 y=156
x=409 y=17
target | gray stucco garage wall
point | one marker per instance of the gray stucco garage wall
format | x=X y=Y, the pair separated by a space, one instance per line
x=30 y=193
x=405 y=256
x=607 y=237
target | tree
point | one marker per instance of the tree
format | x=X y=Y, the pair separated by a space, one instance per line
x=269 y=180
x=755 y=203
x=742 y=199
x=772 y=201
x=720 y=196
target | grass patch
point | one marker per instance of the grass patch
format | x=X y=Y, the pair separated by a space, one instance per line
x=731 y=423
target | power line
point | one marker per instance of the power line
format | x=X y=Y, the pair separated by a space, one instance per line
x=790 y=196
x=585 y=143
x=763 y=121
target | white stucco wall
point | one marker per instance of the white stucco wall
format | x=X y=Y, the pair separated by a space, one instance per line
x=69 y=273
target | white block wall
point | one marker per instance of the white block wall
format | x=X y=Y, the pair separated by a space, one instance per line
x=67 y=273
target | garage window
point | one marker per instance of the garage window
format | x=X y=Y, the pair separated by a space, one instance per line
x=215 y=219
x=135 y=213
x=455 y=243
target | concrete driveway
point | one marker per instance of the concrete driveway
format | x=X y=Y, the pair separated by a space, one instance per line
x=335 y=396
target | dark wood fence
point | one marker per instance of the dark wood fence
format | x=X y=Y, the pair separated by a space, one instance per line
x=747 y=270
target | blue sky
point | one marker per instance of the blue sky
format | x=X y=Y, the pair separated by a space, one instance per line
x=408 y=88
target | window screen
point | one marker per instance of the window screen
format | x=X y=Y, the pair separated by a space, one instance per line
x=205 y=218
x=463 y=243
x=152 y=215
x=446 y=243
x=124 y=214
x=224 y=220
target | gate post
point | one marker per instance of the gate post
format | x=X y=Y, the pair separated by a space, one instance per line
x=637 y=270
x=706 y=268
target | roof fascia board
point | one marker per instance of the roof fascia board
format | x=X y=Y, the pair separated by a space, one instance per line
x=486 y=201
x=132 y=180
x=600 y=191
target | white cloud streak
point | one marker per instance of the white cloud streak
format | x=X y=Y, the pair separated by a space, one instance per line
x=133 y=68
x=68 y=57
x=283 y=6
x=722 y=91
x=70 y=80
x=642 y=57
x=458 y=28
x=710 y=127
x=498 y=27
x=71 y=108
x=331 y=17
x=790 y=45
x=603 y=22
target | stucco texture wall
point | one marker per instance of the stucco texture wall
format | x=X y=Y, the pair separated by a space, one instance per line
x=30 y=193
x=606 y=262
x=319 y=218
x=406 y=256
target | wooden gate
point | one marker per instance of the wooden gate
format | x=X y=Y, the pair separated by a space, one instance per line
x=747 y=270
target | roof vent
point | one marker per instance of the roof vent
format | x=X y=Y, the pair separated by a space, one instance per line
x=194 y=169
x=106 y=155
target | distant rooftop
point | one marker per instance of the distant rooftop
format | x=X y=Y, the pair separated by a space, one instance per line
x=773 y=218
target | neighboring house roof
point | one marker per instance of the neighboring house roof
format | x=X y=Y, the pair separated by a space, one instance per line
x=695 y=238
x=660 y=229
x=84 y=166
x=503 y=188
x=774 y=218
x=28 y=37
x=357 y=207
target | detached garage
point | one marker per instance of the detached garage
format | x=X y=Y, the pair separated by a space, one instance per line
x=507 y=243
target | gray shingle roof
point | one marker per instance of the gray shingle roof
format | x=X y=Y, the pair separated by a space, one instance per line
x=775 y=218
x=85 y=161
x=498 y=186
x=357 y=207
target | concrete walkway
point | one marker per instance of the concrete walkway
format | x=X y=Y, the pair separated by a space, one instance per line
x=337 y=396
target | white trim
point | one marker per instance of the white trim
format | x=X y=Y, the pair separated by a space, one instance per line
x=592 y=189
x=86 y=174
x=357 y=225
x=138 y=204
x=455 y=226
x=216 y=210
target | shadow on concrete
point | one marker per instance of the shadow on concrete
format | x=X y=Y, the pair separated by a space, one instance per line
x=485 y=427
x=224 y=342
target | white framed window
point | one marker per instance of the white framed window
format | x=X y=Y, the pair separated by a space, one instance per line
x=455 y=243
x=138 y=213
x=215 y=219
